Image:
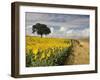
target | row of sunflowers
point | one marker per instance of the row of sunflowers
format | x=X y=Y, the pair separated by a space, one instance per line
x=46 y=51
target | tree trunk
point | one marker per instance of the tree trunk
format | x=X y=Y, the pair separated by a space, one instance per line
x=41 y=35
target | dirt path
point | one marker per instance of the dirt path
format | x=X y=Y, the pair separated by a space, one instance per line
x=80 y=53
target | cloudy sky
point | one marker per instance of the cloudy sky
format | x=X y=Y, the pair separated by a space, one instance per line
x=61 y=25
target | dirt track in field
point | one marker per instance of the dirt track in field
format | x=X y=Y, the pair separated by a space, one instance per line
x=80 y=53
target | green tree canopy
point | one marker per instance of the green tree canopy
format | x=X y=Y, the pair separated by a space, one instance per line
x=41 y=29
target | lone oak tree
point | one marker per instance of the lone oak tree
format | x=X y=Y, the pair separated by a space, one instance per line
x=41 y=29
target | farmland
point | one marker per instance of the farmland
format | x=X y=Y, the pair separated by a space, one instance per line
x=49 y=51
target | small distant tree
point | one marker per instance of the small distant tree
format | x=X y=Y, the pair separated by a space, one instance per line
x=41 y=29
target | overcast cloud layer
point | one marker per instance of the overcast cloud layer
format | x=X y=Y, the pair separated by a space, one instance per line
x=61 y=25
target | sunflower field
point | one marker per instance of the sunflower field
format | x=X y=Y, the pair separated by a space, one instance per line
x=46 y=51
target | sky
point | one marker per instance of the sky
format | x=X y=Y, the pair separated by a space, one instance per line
x=61 y=25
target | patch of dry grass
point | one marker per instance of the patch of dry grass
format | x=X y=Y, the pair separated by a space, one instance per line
x=80 y=53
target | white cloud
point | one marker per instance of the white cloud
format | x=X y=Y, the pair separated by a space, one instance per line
x=60 y=25
x=69 y=31
x=62 y=29
x=86 y=32
x=52 y=30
